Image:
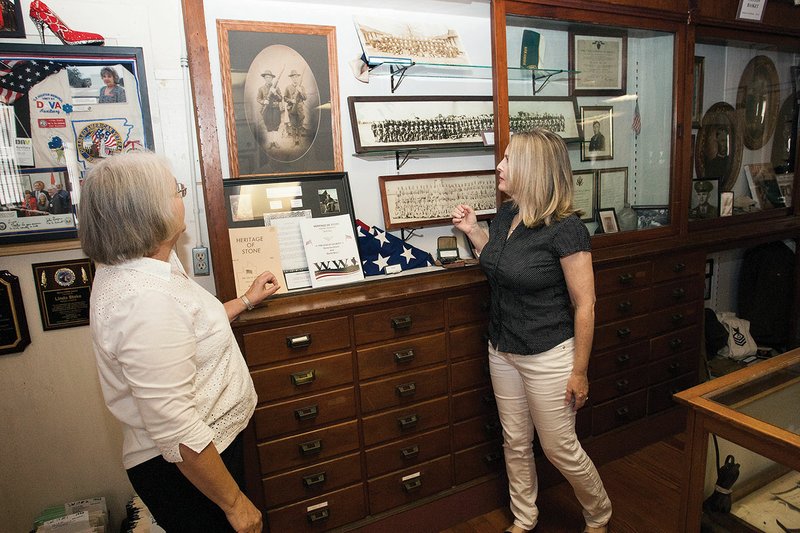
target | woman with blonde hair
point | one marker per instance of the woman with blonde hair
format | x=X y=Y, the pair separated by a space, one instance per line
x=170 y=368
x=537 y=258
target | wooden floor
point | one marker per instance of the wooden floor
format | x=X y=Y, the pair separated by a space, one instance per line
x=645 y=492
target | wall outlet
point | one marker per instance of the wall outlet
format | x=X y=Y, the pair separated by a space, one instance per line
x=200 y=261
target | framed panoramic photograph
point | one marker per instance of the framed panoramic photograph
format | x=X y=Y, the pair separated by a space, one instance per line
x=584 y=193
x=697 y=91
x=280 y=94
x=78 y=107
x=705 y=199
x=612 y=188
x=420 y=200
x=601 y=63
x=598 y=133
x=651 y=216
x=608 y=220
x=12 y=21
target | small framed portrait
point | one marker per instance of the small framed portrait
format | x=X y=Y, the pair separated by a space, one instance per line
x=705 y=200
x=598 y=133
x=726 y=204
x=608 y=220
x=651 y=216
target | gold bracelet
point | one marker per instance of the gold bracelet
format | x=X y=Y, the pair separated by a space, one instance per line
x=246 y=301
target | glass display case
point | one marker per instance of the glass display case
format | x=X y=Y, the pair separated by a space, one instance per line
x=754 y=414
x=622 y=160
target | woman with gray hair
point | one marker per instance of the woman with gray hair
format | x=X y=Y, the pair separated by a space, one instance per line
x=169 y=366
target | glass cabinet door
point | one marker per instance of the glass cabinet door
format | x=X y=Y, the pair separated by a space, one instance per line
x=608 y=91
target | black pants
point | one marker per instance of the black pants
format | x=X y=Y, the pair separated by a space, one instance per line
x=175 y=503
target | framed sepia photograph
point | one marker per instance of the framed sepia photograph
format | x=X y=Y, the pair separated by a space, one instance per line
x=12 y=25
x=420 y=200
x=726 y=204
x=608 y=220
x=584 y=193
x=598 y=133
x=758 y=98
x=697 y=91
x=705 y=199
x=56 y=127
x=718 y=147
x=651 y=216
x=600 y=64
x=612 y=188
x=280 y=94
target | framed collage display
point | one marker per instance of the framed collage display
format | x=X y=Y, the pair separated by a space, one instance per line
x=280 y=93
x=598 y=127
x=420 y=200
x=75 y=108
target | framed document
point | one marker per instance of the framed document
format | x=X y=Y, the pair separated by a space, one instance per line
x=608 y=220
x=600 y=64
x=14 y=334
x=612 y=185
x=583 y=193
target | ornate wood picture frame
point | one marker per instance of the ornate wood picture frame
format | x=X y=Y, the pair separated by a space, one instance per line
x=758 y=99
x=280 y=94
x=718 y=147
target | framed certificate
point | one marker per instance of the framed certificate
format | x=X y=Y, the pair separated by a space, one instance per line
x=583 y=193
x=599 y=63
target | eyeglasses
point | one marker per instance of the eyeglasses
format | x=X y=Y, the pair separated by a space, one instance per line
x=181 y=190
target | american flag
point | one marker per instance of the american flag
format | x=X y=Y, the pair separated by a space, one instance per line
x=379 y=249
x=637 y=120
x=18 y=76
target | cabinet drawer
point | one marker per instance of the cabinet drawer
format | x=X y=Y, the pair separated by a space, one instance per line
x=669 y=267
x=307 y=448
x=619 y=359
x=409 y=485
x=469 y=341
x=621 y=333
x=326 y=512
x=660 y=396
x=476 y=431
x=468 y=308
x=622 y=278
x=311 y=481
x=304 y=414
x=405 y=421
x=398 y=322
x=470 y=372
x=619 y=412
x=403 y=389
x=301 y=340
x=618 y=385
x=622 y=305
x=407 y=452
x=675 y=317
x=400 y=356
x=303 y=377
x=479 y=461
x=677 y=292
x=674 y=342
x=674 y=366
x=474 y=403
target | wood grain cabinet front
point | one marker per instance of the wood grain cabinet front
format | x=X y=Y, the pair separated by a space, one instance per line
x=397 y=322
x=409 y=485
x=312 y=481
x=403 y=389
x=323 y=513
x=309 y=338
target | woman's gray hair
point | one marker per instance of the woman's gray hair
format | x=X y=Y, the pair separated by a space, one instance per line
x=109 y=70
x=127 y=207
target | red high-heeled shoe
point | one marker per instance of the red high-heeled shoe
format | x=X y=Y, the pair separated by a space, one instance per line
x=42 y=16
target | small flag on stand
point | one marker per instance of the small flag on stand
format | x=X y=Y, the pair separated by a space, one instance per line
x=379 y=249
x=637 y=120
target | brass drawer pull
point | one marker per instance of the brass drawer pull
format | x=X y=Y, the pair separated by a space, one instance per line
x=411 y=451
x=622 y=384
x=411 y=485
x=625 y=306
x=623 y=358
x=675 y=344
x=300 y=341
x=679 y=293
x=406 y=422
x=317 y=516
x=625 y=279
x=306 y=413
x=404 y=356
x=406 y=389
x=678 y=267
x=622 y=412
x=491 y=458
x=677 y=317
x=401 y=322
x=314 y=479
x=623 y=332
x=303 y=378
x=311 y=447
x=675 y=367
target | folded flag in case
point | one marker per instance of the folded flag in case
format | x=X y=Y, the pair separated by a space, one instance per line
x=379 y=249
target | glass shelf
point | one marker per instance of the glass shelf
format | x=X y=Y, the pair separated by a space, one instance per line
x=402 y=155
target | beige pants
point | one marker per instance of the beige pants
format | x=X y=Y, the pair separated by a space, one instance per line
x=530 y=391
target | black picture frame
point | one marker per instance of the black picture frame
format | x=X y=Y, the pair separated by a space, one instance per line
x=248 y=50
x=651 y=216
x=705 y=199
x=608 y=220
x=597 y=123
x=69 y=119
x=13 y=26
x=599 y=62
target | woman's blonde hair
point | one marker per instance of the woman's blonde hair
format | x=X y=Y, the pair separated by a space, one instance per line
x=126 y=208
x=540 y=177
